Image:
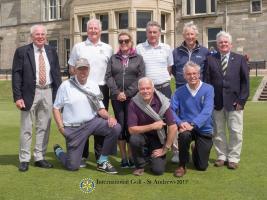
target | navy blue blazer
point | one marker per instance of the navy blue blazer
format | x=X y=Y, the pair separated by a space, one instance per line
x=231 y=88
x=24 y=73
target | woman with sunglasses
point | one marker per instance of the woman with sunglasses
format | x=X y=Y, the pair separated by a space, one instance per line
x=124 y=70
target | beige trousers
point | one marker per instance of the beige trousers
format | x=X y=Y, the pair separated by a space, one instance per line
x=233 y=122
x=40 y=115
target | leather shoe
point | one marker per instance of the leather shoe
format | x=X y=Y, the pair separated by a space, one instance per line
x=232 y=165
x=180 y=171
x=138 y=172
x=219 y=163
x=23 y=166
x=43 y=164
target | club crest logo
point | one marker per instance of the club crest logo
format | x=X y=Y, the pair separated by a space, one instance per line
x=87 y=185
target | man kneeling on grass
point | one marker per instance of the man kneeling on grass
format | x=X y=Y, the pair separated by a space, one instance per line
x=192 y=105
x=83 y=114
x=148 y=112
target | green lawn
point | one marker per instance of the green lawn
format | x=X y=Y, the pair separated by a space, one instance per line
x=247 y=182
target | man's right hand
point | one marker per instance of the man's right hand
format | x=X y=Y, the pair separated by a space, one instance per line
x=20 y=104
x=158 y=125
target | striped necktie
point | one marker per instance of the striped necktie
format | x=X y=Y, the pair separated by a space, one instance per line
x=224 y=64
x=42 y=71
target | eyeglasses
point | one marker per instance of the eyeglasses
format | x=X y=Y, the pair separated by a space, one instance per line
x=124 y=41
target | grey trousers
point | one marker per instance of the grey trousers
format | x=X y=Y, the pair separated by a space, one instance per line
x=40 y=114
x=77 y=136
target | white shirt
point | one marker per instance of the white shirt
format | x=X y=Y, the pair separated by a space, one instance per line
x=97 y=55
x=47 y=65
x=157 y=59
x=194 y=92
x=77 y=108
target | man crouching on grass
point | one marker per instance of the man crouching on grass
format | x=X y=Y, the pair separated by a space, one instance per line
x=192 y=105
x=83 y=114
x=148 y=112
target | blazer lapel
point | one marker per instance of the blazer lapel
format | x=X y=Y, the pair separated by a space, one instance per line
x=218 y=62
x=31 y=58
x=49 y=54
x=230 y=62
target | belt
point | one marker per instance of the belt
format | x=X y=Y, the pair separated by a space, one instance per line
x=163 y=85
x=74 y=125
x=44 y=87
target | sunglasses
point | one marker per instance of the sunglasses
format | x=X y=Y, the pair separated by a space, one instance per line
x=124 y=41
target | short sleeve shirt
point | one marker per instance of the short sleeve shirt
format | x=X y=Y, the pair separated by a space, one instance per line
x=97 y=55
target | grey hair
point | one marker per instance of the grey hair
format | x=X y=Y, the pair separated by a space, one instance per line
x=145 y=79
x=153 y=23
x=36 y=26
x=94 y=20
x=191 y=64
x=190 y=25
x=223 y=34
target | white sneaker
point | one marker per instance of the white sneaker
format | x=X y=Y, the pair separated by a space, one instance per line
x=175 y=157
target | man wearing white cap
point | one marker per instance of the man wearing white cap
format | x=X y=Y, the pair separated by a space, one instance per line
x=83 y=115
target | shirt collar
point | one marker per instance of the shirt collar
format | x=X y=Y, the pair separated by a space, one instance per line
x=88 y=42
x=146 y=44
x=227 y=55
x=193 y=92
x=36 y=49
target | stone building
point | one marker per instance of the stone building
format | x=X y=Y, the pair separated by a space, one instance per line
x=245 y=20
x=66 y=21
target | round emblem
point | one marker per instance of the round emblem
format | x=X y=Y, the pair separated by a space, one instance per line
x=87 y=185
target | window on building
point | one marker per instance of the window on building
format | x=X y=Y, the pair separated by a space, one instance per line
x=53 y=43
x=142 y=17
x=83 y=26
x=212 y=32
x=52 y=9
x=163 y=23
x=84 y=21
x=198 y=7
x=123 y=20
x=104 y=20
x=66 y=50
x=255 y=6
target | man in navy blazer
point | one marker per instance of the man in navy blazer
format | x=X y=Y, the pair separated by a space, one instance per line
x=228 y=72
x=35 y=80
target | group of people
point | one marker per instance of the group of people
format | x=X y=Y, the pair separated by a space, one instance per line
x=211 y=92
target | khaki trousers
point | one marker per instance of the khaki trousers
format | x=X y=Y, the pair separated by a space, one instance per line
x=228 y=151
x=40 y=116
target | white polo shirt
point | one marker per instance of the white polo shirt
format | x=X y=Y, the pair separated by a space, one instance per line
x=157 y=59
x=97 y=55
x=77 y=108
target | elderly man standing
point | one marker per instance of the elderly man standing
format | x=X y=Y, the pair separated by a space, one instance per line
x=158 y=58
x=83 y=115
x=148 y=112
x=189 y=50
x=192 y=105
x=35 y=80
x=228 y=72
x=98 y=54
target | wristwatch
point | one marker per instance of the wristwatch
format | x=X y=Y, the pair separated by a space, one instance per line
x=167 y=148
